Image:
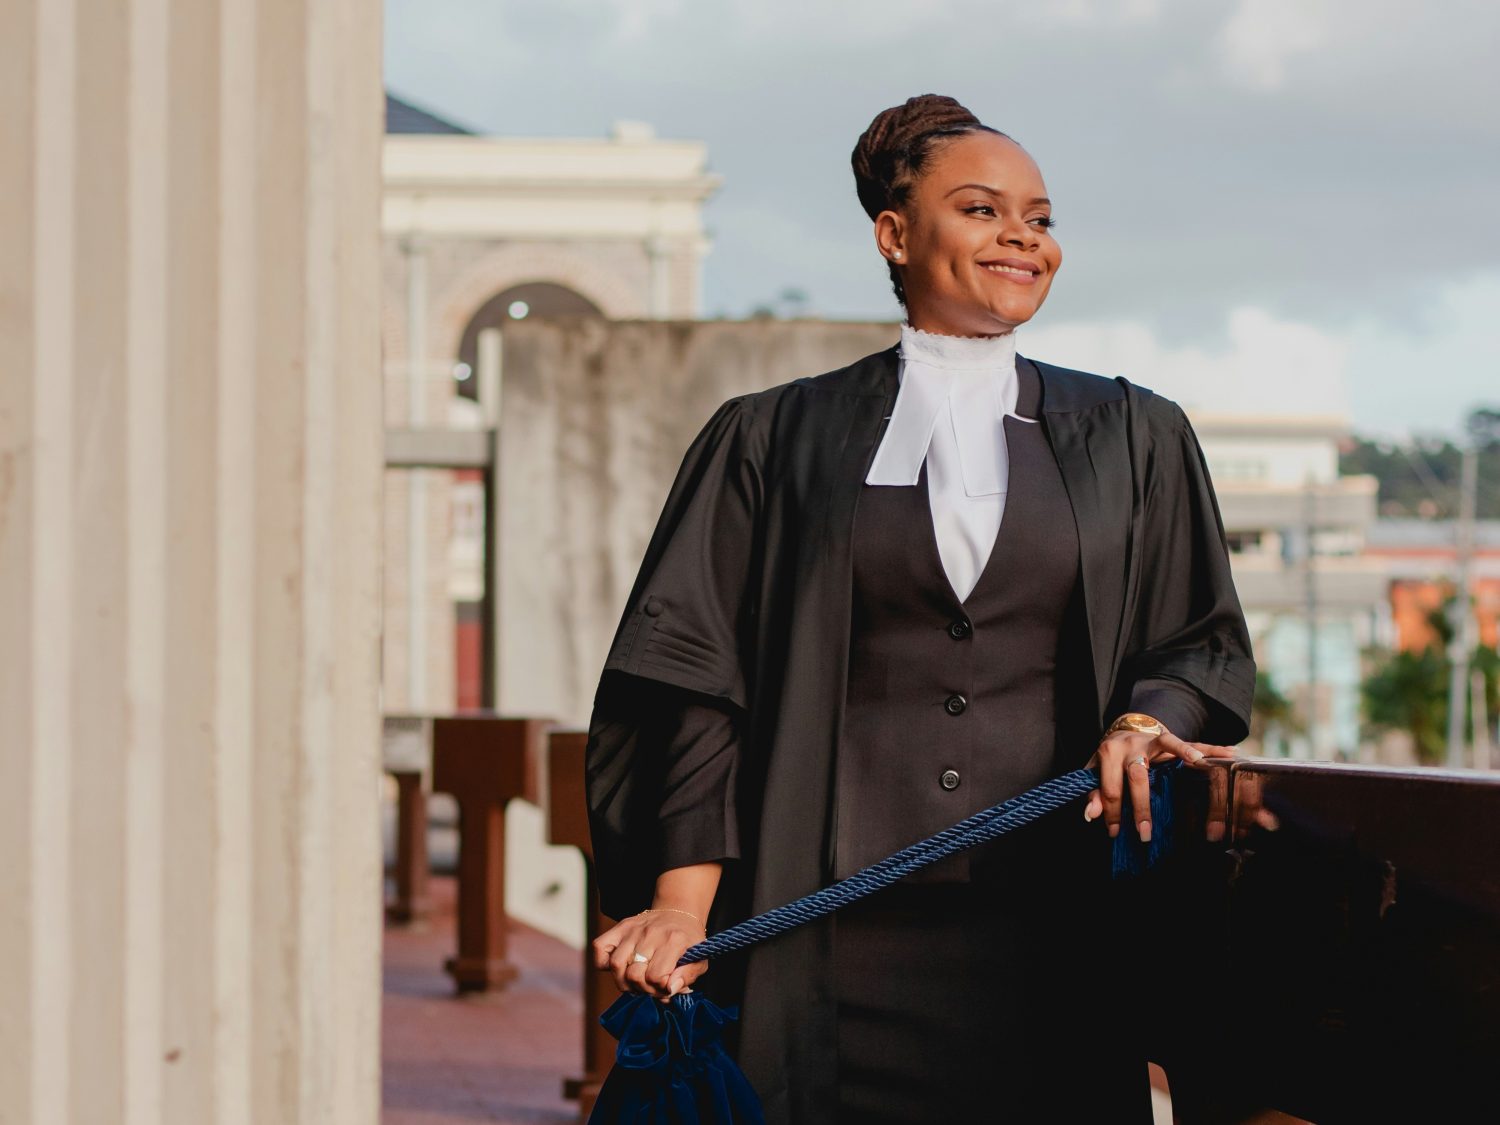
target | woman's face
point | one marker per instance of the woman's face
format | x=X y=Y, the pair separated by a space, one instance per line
x=972 y=244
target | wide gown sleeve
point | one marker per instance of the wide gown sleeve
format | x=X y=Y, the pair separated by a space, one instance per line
x=699 y=821
x=1191 y=665
x=664 y=735
x=1178 y=706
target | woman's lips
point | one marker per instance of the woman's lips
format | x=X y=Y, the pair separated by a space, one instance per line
x=1020 y=274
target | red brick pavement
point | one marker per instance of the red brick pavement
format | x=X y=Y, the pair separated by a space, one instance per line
x=499 y=1058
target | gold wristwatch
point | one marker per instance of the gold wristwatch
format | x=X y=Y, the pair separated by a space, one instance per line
x=1135 y=721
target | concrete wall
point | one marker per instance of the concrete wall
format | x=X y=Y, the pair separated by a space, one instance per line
x=594 y=424
x=190 y=473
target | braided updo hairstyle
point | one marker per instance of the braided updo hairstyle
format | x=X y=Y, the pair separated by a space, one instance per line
x=891 y=153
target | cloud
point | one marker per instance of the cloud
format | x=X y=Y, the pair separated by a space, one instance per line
x=1330 y=163
x=1261 y=36
x=1424 y=370
x=838 y=23
x=1264 y=366
x=1419 y=373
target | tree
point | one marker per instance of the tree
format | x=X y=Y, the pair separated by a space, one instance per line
x=1408 y=691
x=1270 y=709
x=1419 y=478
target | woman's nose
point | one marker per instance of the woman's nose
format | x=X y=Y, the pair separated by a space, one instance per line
x=1019 y=235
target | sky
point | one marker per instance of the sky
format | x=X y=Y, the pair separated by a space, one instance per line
x=1268 y=205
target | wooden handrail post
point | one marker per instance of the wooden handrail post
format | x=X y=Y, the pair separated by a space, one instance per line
x=568 y=824
x=484 y=762
x=407 y=757
x=411 y=901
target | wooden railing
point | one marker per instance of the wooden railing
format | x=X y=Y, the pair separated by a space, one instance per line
x=1337 y=956
x=1334 y=955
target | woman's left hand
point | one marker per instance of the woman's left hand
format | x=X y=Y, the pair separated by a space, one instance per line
x=1123 y=759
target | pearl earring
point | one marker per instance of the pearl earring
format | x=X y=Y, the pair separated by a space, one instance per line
x=895 y=253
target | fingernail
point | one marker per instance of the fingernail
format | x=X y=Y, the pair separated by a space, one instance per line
x=675 y=986
x=1195 y=755
x=1114 y=830
x=1215 y=831
x=1144 y=828
x=1088 y=817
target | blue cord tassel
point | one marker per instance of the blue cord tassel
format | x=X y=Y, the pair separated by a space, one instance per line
x=670 y=1068
x=1131 y=856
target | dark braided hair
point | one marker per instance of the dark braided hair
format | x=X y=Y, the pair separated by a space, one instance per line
x=892 y=152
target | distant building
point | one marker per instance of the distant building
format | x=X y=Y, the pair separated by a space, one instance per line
x=1420 y=556
x=1310 y=612
x=481 y=231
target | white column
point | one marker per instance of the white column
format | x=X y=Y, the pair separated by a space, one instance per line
x=190 y=473
x=658 y=251
x=415 y=252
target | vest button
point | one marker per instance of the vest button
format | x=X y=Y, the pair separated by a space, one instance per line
x=959 y=630
x=949 y=780
x=653 y=607
x=955 y=704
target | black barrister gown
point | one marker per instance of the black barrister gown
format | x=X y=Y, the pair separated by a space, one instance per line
x=747 y=602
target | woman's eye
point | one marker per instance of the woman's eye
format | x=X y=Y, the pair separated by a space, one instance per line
x=1045 y=221
x=979 y=207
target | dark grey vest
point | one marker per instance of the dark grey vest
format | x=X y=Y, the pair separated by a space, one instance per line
x=954 y=706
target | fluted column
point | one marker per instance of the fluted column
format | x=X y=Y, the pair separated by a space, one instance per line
x=190 y=473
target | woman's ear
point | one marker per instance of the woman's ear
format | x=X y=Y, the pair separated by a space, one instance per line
x=890 y=235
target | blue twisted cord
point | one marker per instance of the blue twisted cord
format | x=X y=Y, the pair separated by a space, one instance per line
x=977 y=829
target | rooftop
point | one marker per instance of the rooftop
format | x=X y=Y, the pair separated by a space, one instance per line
x=1411 y=534
x=403 y=117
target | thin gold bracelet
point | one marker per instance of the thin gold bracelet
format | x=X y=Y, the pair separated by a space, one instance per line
x=673 y=910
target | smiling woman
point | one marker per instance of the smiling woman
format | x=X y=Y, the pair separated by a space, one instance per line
x=962 y=216
x=878 y=601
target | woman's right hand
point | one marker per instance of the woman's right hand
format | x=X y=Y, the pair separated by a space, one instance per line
x=661 y=935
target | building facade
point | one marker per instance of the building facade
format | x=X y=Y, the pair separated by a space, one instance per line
x=1313 y=597
x=481 y=232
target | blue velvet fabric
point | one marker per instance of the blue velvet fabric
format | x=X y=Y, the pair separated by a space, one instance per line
x=671 y=1068
x=1132 y=856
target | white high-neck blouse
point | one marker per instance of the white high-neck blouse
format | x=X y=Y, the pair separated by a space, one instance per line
x=955 y=393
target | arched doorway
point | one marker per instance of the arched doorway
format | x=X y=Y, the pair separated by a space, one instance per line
x=517 y=302
x=531 y=298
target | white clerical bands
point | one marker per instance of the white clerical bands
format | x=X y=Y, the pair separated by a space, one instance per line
x=971 y=397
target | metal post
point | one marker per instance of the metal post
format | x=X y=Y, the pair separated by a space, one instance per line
x=657 y=251
x=1461 y=646
x=1310 y=594
x=1482 y=760
x=416 y=494
x=489 y=377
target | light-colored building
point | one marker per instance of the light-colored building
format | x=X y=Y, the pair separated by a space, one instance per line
x=481 y=231
x=1421 y=559
x=1310 y=611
